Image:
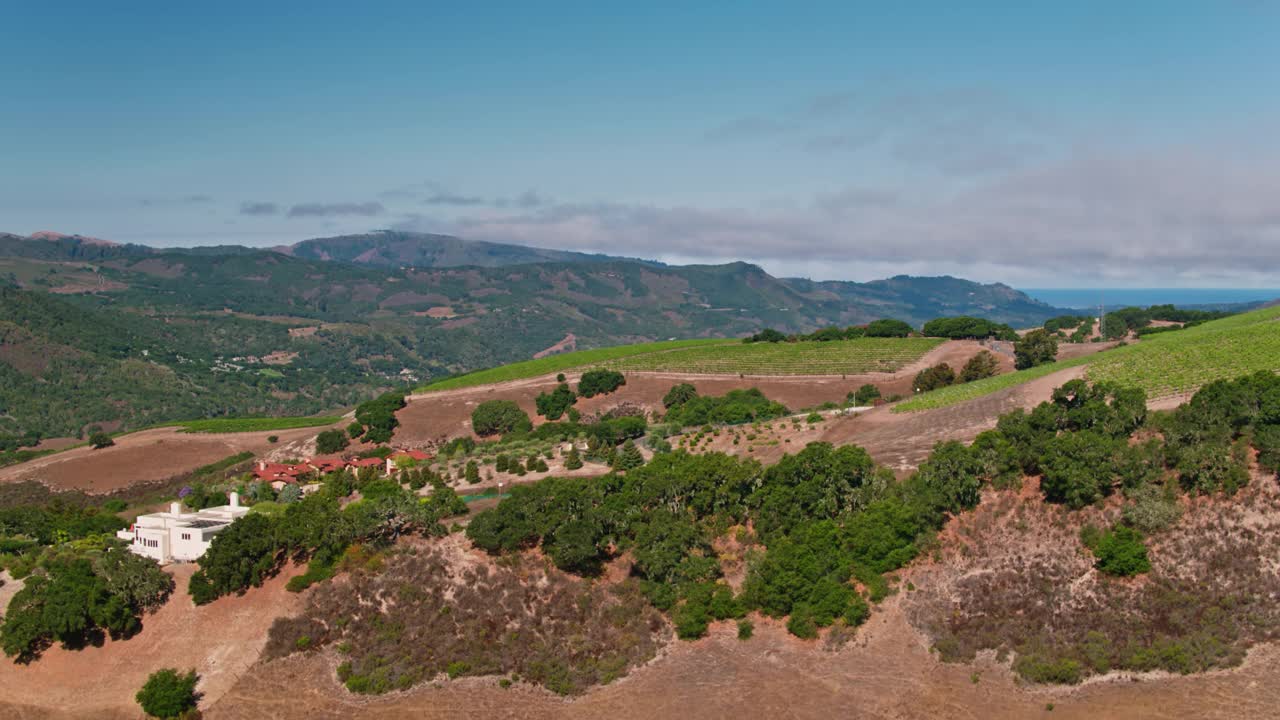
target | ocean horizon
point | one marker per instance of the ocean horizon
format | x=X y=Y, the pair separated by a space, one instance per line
x=1143 y=297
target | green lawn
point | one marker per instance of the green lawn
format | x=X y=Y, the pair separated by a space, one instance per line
x=566 y=361
x=840 y=357
x=1164 y=364
x=234 y=425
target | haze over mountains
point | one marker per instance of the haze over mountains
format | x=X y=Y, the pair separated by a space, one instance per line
x=121 y=334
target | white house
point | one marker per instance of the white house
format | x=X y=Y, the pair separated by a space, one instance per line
x=176 y=536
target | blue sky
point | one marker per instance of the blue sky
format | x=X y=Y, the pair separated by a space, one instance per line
x=1083 y=143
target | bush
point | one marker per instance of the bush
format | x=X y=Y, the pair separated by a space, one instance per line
x=600 y=382
x=982 y=365
x=273 y=439
x=495 y=417
x=1153 y=508
x=746 y=629
x=167 y=694
x=1037 y=668
x=100 y=440
x=355 y=430
x=1120 y=552
x=331 y=441
x=938 y=376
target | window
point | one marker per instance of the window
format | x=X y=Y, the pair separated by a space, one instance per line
x=186 y=536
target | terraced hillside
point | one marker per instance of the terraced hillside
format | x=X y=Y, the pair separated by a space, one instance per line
x=1163 y=365
x=852 y=357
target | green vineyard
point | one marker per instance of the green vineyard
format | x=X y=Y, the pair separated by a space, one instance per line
x=1163 y=365
x=566 y=361
x=843 y=357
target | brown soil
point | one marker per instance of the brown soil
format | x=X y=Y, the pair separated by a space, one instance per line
x=221 y=640
x=142 y=457
x=902 y=440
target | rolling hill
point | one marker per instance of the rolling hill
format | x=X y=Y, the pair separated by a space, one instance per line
x=218 y=331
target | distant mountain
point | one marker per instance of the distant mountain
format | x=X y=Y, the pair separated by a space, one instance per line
x=393 y=249
x=235 y=330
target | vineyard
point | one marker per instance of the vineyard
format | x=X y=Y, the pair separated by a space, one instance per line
x=566 y=361
x=1163 y=365
x=842 y=357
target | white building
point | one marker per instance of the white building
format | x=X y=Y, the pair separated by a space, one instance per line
x=176 y=536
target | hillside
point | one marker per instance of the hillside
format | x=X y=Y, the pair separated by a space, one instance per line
x=229 y=330
x=1163 y=365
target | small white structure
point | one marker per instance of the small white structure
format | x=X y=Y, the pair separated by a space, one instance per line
x=178 y=536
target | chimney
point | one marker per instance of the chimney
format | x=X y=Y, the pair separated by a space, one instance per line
x=235 y=499
x=175 y=508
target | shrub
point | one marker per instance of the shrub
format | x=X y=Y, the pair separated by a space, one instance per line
x=168 y=694
x=355 y=430
x=982 y=365
x=746 y=629
x=801 y=623
x=1040 y=669
x=495 y=417
x=813 y=418
x=1152 y=508
x=600 y=382
x=100 y=440
x=1120 y=552
x=938 y=376
x=573 y=461
x=273 y=439
x=331 y=441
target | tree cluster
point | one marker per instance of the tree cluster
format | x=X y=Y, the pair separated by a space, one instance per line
x=600 y=382
x=965 y=327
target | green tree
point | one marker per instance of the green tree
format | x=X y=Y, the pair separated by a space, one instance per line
x=573 y=460
x=472 y=473
x=679 y=395
x=938 y=376
x=600 y=382
x=100 y=440
x=168 y=694
x=331 y=441
x=1035 y=348
x=629 y=457
x=553 y=405
x=953 y=475
x=1114 y=327
x=982 y=365
x=495 y=417
x=886 y=327
x=355 y=430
